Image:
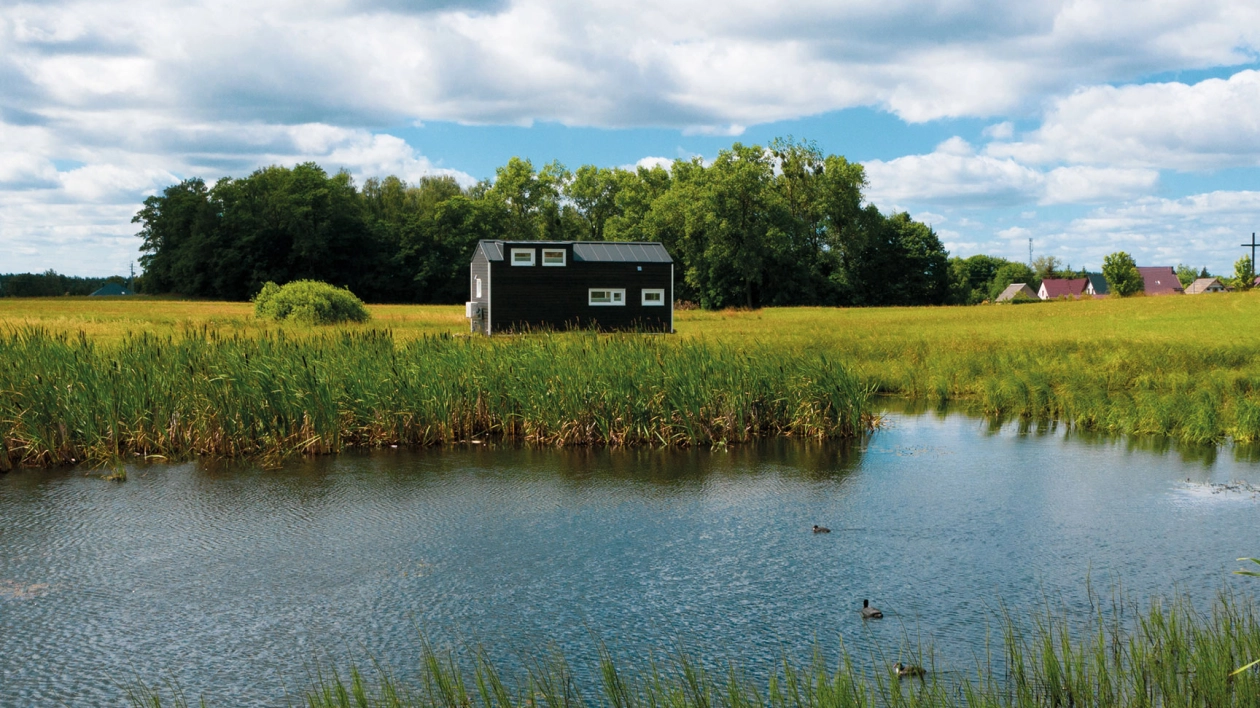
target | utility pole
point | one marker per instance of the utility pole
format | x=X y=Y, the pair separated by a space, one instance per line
x=1030 y=265
x=1253 y=246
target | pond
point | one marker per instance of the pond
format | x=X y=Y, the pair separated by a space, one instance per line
x=234 y=582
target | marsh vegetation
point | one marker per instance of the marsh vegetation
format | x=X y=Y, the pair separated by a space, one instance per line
x=65 y=399
x=1169 y=655
x=93 y=379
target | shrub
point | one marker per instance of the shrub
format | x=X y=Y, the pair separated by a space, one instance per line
x=309 y=301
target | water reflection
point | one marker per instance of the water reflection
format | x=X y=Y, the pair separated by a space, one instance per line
x=233 y=579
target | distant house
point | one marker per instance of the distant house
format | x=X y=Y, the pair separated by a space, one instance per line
x=1161 y=280
x=1097 y=285
x=111 y=290
x=1206 y=285
x=1054 y=288
x=1017 y=290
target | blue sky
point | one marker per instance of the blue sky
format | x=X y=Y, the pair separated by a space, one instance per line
x=1086 y=126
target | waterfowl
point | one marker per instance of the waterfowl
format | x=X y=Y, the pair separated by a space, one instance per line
x=821 y=529
x=904 y=671
x=869 y=612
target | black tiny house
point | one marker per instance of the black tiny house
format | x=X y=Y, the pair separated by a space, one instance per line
x=608 y=285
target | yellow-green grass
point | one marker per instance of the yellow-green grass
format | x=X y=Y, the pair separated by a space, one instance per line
x=1179 y=366
x=108 y=320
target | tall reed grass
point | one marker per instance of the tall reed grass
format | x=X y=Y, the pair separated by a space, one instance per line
x=65 y=399
x=1171 y=656
x=1205 y=394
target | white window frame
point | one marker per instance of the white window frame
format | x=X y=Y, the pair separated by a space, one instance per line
x=478 y=279
x=515 y=251
x=564 y=257
x=643 y=298
x=616 y=297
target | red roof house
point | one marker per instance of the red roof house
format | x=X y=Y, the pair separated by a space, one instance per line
x=1052 y=288
x=1161 y=280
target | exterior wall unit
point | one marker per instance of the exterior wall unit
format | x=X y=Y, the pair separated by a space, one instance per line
x=557 y=297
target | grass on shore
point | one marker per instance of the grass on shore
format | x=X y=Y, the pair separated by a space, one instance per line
x=65 y=399
x=1185 y=367
x=1171 y=657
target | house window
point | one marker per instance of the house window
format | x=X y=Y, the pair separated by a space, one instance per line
x=553 y=256
x=479 y=286
x=522 y=256
x=653 y=297
x=607 y=296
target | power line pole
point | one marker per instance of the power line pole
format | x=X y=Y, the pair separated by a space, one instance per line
x=1030 y=265
x=1253 y=246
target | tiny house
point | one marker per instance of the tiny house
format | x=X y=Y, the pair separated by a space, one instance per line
x=515 y=286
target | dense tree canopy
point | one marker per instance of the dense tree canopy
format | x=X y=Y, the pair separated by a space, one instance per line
x=1122 y=274
x=782 y=225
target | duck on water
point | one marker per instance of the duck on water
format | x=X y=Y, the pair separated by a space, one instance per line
x=909 y=671
x=869 y=612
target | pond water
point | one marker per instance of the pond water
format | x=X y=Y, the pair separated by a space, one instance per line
x=233 y=581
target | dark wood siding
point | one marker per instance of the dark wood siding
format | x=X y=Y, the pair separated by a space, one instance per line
x=553 y=297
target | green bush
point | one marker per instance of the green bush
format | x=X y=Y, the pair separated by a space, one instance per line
x=310 y=302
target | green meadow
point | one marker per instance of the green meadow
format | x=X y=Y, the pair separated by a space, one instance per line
x=108 y=379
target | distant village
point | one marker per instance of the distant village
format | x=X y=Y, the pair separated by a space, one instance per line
x=1158 y=280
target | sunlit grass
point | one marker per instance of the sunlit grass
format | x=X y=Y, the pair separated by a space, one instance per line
x=1185 y=367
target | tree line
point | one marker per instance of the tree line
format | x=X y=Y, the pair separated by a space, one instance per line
x=758 y=226
x=50 y=283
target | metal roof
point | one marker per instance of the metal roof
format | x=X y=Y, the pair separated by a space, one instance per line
x=492 y=249
x=1064 y=287
x=615 y=252
x=1099 y=282
x=1160 y=280
x=594 y=251
x=1016 y=289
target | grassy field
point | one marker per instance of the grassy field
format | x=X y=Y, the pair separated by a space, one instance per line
x=1171 y=656
x=109 y=320
x=1185 y=367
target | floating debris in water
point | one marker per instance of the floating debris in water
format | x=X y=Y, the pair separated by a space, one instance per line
x=19 y=591
x=1236 y=485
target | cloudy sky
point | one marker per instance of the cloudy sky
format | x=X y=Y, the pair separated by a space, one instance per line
x=1087 y=126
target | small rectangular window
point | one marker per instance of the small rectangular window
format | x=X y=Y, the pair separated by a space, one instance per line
x=553 y=256
x=522 y=256
x=607 y=296
x=478 y=286
x=653 y=297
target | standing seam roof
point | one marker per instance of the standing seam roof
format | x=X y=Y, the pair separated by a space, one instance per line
x=613 y=252
x=594 y=251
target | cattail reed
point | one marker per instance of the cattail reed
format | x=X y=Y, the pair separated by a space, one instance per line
x=65 y=399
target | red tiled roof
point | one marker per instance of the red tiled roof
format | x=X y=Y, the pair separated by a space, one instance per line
x=1161 y=280
x=1061 y=287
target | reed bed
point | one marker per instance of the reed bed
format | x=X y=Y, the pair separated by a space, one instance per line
x=1204 y=394
x=1185 y=368
x=1170 y=657
x=66 y=399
